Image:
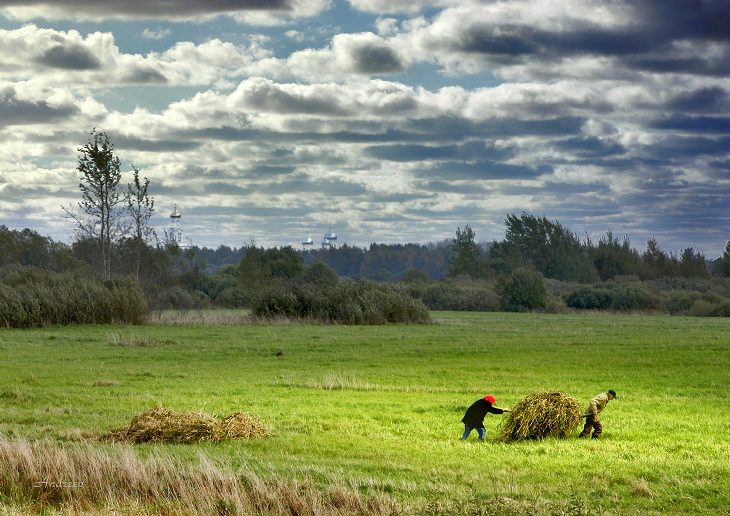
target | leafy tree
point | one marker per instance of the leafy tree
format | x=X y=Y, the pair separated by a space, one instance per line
x=657 y=262
x=722 y=264
x=692 y=264
x=101 y=216
x=613 y=257
x=547 y=246
x=321 y=275
x=525 y=289
x=260 y=265
x=140 y=207
x=467 y=257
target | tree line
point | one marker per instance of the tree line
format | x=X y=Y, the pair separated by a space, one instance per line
x=114 y=238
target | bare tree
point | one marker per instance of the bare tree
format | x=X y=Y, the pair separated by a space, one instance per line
x=101 y=211
x=140 y=207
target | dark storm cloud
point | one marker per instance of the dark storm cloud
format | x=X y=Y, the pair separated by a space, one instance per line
x=375 y=59
x=681 y=147
x=466 y=151
x=175 y=145
x=154 y=8
x=14 y=111
x=452 y=187
x=249 y=210
x=589 y=147
x=270 y=98
x=562 y=190
x=698 y=124
x=703 y=100
x=485 y=170
x=70 y=57
x=143 y=75
x=448 y=128
x=644 y=44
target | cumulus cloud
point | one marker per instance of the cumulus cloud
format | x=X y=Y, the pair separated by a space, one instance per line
x=25 y=108
x=361 y=54
x=66 y=57
x=528 y=38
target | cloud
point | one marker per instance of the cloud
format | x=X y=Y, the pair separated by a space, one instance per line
x=348 y=54
x=533 y=38
x=156 y=34
x=18 y=108
x=593 y=112
x=56 y=57
x=72 y=57
x=158 y=9
x=396 y=6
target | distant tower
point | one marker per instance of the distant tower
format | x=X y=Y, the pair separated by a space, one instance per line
x=176 y=233
x=330 y=237
x=307 y=242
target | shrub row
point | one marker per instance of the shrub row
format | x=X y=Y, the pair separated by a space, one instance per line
x=630 y=296
x=443 y=295
x=349 y=302
x=614 y=297
x=33 y=297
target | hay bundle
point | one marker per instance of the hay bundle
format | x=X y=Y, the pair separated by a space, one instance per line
x=167 y=426
x=542 y=414
x=242 y=425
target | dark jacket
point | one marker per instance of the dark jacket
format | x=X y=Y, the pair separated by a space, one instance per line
x=475 y=414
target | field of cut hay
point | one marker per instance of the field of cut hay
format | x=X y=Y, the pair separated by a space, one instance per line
x=366 y=419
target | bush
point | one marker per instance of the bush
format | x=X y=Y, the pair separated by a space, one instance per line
x=679 y=303
x=590 y=298
x=234 y=297
x=705 y=308
x=443 y=295
x=631 y=297
x=350 y=302
x=524 y=290
x=31 y=298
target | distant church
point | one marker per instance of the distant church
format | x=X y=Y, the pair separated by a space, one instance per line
x=176 y=233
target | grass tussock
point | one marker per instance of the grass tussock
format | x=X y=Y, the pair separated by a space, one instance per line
x=540 y=415
x=78 y=478
x=163 y=425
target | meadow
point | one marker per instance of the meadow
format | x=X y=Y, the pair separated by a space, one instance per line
x=376 y=410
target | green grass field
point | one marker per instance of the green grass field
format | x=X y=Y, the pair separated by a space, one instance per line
x=378 y=408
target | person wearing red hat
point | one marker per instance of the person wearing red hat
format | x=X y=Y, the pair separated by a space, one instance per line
x=475 y=414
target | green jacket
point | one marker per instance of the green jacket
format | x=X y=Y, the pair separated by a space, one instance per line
x=596 y=405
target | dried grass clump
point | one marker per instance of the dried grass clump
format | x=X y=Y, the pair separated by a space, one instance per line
x=167 y=426
x=542 y=414
x=80 y=478
x=241 y=425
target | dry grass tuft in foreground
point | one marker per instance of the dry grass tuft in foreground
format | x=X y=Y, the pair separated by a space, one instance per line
x=167 y=426
x=79 y=478
x=542 y=414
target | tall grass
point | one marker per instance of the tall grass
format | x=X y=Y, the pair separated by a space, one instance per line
x=43 y=476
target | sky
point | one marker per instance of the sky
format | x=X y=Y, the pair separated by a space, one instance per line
x=391 y=121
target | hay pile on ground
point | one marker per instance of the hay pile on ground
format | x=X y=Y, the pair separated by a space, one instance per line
x=542 y=414
x=167 y=426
